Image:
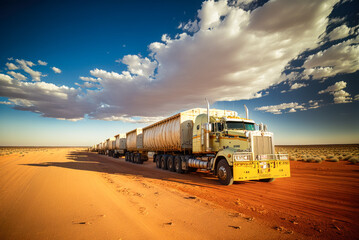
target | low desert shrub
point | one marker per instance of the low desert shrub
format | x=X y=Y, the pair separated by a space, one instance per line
x=354 y=159
x=333 y=159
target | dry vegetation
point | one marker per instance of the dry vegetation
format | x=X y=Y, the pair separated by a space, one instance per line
x=319 y=153
x=22 y=151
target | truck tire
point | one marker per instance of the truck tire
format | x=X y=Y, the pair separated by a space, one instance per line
x=267 y=180
x=126 y=157
x=171 y=163
x=131 y=157
x=224 y=173
x=164 y=162
x=135 y=158
x=178 y=164
x=158 y=160
x=139 y=158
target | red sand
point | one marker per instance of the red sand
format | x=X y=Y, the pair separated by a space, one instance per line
x=67 y=194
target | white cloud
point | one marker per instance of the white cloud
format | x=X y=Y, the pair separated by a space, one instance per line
x=339 y=32
x=234 y=55
x=340 y=96
x=190 y=26
x=220 y=61
x=5 y=79
x=314 y=104
x=56 y=70
x=11 y=66
x=298 y=85
x=339 y=58
x=278 y=109
x=333 y=88
x=90 y=79
x=139 y=66
x=5 y=103
x=356 y=97
x=16 y=75
x=45 y=98
x=25 y=65
x=42 y=63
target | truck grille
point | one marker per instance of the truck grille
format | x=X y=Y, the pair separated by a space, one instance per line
x=262 y=145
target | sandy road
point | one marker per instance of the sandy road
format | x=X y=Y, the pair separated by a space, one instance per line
x=69 y=194
x=320 y=201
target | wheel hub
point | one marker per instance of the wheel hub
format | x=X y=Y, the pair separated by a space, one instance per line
x=222 y=172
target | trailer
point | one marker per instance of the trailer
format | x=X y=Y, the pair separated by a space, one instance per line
x=120 y=145
x=109 y=146
x=218 y=141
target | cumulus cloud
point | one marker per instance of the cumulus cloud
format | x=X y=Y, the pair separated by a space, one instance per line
x=234 y=54
x=339 y=32
x=90 y=79
x=25 y=65
x=11 y=66
x=16 y=75
x=278 y=109
x=356 y=97
x=340 y=96
x=333 y=88
x=42 y=63
x=339 y=58
x=220 y=61
x=139 y=66
x=47 y=99
x=56 y=70
x=314 y=104
x=5 y=103
x=298 y=85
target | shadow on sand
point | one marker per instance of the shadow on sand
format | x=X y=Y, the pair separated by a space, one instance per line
x=104 y=164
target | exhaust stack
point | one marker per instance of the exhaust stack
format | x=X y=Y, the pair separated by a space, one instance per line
x=207 y=129
x=247 y=114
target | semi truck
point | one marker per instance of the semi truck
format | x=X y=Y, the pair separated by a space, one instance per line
x=215 y=140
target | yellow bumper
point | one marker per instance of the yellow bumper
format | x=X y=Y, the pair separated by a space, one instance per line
x=255 y=170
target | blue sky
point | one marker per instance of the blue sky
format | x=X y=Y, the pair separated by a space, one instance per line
x=76 y=73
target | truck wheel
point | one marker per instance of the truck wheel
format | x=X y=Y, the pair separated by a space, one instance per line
x=170 y=163
x=158 y=160
x=178 y=164
x=164 y=162
x=139 y=158
x=131 y=157
x=267 y=180
x=224 y=173
x=126 y=157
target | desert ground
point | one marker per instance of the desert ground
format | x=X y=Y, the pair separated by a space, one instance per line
x=69 y=193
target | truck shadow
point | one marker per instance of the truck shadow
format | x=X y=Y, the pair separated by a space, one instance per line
x=100 y=163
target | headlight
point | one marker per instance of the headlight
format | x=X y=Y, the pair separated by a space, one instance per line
x=242 y=157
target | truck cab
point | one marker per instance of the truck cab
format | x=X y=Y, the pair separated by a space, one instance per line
x=236 y=150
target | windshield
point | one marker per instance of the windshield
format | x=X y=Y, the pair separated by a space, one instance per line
x=240 y=126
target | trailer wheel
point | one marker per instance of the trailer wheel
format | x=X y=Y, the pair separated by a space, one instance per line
x=139 y=158
x=131 y=157
x=178 y=164
x=158 y=161
x=224 y=173
x=170 y=163
x=126 y=156
x=164 y=162
x=135 y=158
x=267 y=180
